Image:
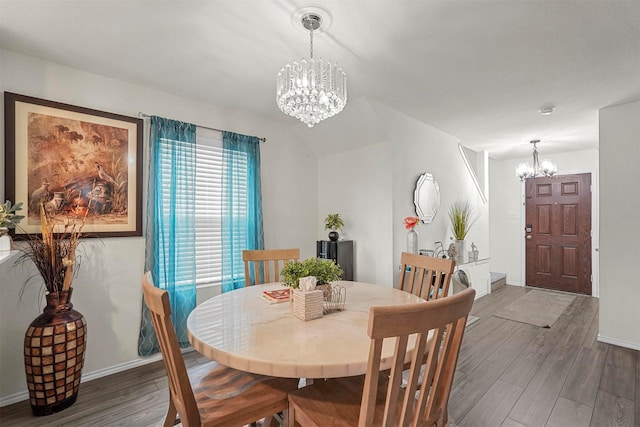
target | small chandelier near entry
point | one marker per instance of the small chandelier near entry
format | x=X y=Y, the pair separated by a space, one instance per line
x=525 y=171
x=311 y=90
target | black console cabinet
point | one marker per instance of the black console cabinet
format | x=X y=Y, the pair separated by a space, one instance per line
x=341 y=252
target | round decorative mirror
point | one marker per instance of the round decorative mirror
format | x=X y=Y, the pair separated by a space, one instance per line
x=426 y=197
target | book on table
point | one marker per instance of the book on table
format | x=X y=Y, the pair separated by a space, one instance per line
x=275 y=296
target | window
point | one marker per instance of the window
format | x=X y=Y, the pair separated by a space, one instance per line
x=209 y=172
x=208 y=206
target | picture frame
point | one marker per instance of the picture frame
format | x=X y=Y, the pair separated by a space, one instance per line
x=78 y=161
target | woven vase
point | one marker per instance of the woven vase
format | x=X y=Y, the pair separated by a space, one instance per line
x=54 y=347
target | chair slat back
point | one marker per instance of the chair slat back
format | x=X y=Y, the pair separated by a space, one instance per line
x=157 y=301
x=424 y=276
x=438 y=327
x=264 y=266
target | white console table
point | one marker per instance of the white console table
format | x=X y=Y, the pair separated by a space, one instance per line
x=478 y=273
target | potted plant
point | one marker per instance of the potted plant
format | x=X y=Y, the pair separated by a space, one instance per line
x=8 y=219
x=324 y=270
x=462 y=217
x=53 y=252
x=334 y=223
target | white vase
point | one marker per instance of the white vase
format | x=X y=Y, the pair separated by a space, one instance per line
x=412 y=241
x=5 y=240
x=461 y=251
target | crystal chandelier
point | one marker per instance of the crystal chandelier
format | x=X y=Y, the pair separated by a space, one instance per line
x=525 y=171
x=311 y=90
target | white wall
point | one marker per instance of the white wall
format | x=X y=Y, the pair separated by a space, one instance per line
x=379 y=195
x=357 y=184
x=505 y=219
x=107 y=288
x=619 y=231
x=419 y=148
x=506 y=211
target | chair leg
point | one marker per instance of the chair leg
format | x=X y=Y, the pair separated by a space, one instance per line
x=442 y=420
x=170 y=419
x=290 y=417
x=276 y=420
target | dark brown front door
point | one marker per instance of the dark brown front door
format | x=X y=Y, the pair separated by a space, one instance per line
x=558 y=233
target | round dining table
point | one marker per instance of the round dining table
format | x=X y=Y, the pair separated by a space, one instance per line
x=241 y=330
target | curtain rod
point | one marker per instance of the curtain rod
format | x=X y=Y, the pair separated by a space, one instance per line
x=141 y=114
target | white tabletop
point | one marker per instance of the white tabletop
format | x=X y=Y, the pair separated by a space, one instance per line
x=241 y=330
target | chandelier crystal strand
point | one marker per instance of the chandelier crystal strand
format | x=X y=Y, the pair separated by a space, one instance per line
x=311 y=90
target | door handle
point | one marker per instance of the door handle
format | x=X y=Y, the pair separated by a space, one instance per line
x=528 y=236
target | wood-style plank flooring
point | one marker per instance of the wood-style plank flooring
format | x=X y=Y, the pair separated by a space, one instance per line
x=509 y=374
x=514 y=374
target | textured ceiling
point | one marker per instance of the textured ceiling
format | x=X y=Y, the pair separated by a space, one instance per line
x=477 y=70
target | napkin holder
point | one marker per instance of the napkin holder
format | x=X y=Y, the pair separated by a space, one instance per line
x=335 y=299
x=307 y=305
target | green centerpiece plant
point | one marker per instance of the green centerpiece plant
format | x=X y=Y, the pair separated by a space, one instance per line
x=324 y=270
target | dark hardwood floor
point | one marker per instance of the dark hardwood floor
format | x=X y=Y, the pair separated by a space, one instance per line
x=514 y=374
x=509 y=374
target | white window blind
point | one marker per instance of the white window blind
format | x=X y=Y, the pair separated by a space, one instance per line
x=208 y=210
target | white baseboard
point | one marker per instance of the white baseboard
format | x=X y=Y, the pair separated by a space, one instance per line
x=120 y=367
x=14 y=398
x=619 y=343
x=24 y=395
x=480 y=294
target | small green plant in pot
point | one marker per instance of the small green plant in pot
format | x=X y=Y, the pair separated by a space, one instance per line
x=324 y=270
x=8 y=216
x=8 y=219
x=334 y=223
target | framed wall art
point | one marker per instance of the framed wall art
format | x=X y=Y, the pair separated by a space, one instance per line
x=74 y=160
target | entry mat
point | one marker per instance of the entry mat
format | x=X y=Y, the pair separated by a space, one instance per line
x=471 y=320
x=538 y=308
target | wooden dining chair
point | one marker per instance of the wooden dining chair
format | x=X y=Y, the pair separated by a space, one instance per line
x=263 y=266
x=377 y=398
x=425 y=276
x=211 y=394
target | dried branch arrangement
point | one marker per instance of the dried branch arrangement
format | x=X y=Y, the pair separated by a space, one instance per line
x=54 y=251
